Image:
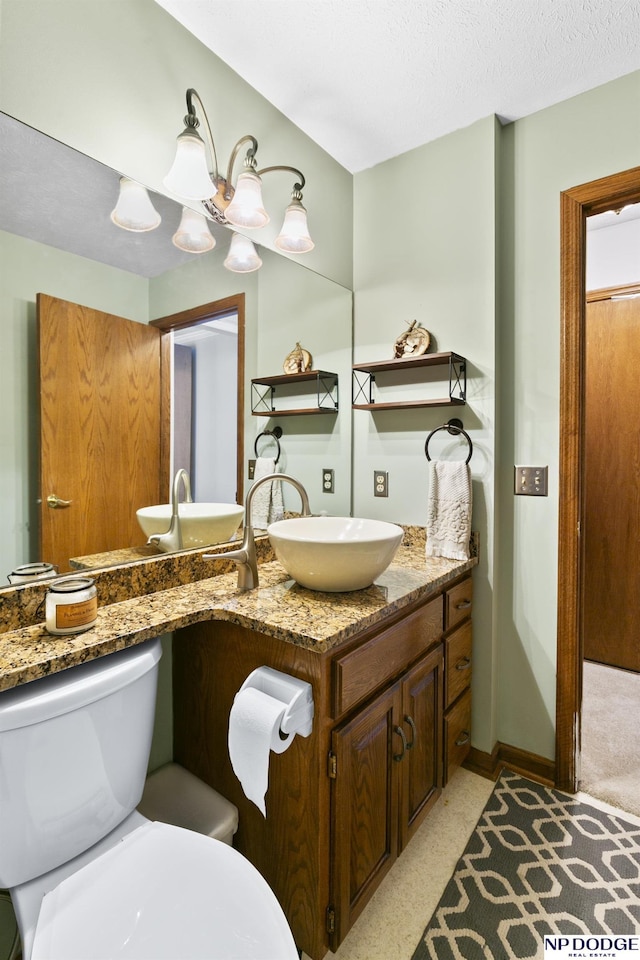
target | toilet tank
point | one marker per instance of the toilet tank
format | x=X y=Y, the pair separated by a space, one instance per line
x=74 y=748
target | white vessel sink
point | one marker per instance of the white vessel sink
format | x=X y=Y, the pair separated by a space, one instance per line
x=201 y=523
x=335 y=554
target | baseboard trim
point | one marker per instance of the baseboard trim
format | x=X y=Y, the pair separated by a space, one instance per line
x=528 y=764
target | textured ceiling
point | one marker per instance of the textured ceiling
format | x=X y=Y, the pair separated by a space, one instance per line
x=370 y=79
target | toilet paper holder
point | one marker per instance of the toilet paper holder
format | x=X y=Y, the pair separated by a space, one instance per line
x=297 y=694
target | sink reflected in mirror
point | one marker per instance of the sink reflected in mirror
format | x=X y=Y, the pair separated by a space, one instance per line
x=334 y=554
x=201 y=524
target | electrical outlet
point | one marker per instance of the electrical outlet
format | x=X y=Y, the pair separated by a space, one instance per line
x=252 y=469
x=531 y=481
x=327 y=480
x=380 y=483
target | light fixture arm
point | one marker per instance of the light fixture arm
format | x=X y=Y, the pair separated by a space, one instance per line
x=297 y=187
x=191 y=120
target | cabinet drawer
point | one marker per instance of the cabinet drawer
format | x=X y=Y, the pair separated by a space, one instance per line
x=457 y=734
x=457 y=658
x=457 y=603
x=361 y=671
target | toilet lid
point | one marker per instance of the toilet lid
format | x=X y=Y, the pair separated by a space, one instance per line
x=164 y=893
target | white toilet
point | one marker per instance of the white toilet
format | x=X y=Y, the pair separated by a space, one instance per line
x=90 y=877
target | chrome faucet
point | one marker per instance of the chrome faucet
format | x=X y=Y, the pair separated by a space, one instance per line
x=245 y=556
x=172 y=539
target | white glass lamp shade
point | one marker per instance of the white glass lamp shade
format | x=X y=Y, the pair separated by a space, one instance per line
x=193 y=234
x=242 y=256
x=134 y=210
x=189 y=176
x=294 y=236
x=246 y=209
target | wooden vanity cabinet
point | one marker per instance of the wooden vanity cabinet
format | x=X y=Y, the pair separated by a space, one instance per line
x=385 y=765
x=344 y=802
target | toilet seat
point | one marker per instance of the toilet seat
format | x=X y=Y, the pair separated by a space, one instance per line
x=164 y=893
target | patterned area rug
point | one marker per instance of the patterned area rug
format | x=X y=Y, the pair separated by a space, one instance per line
x=539 y=863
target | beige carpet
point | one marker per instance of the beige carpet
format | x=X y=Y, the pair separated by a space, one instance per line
x=610 y=736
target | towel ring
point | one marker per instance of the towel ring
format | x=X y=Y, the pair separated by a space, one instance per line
x=276 y=433
x=454 y=426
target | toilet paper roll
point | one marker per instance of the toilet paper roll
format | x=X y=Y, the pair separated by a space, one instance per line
x=254 y=730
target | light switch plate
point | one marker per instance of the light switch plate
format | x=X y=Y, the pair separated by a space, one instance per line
x=531 y=481
x=252 y=469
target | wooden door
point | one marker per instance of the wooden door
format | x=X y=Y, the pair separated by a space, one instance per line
x=364 y=834
x=612 y=483
x=421 y=767
x=99 y=428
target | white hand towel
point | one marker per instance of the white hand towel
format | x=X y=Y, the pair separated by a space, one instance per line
x=449 y=510
x=267 y=505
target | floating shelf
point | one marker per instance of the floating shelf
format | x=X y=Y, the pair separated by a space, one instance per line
x=264 y=389
x=362 y=392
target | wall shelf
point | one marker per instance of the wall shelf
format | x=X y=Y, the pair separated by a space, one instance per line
x=264 y=390
x=364 y=377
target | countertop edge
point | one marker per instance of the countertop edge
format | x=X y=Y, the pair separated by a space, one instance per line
x=277 y=608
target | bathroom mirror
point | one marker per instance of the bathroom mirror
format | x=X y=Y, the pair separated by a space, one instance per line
x=54 y=218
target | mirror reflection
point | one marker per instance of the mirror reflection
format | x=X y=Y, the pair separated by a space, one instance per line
x=57 y=239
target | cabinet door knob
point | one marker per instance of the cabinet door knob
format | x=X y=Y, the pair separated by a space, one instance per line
x=398 y=756
x=464 y=663
x=463 y=738
x=410 y=721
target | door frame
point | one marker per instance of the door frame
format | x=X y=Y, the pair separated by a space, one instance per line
x=576 y=205
x=191 y=318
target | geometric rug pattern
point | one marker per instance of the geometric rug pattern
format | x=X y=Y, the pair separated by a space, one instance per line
x=539 y=863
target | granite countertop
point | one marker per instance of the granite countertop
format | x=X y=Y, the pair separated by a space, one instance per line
x=278 y=607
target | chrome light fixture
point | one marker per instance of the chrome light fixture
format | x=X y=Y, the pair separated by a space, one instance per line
x=240 y=205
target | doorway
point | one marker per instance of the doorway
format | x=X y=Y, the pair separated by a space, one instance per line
x=576 y=205
x=224 y=322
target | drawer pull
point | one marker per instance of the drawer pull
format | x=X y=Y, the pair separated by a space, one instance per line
x=463 y=738
x=463 y=605
x=464 y=663
x=410 y=721
x=398 y=756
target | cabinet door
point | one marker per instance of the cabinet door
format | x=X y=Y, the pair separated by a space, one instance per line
x=421 y=767
x=364 y=806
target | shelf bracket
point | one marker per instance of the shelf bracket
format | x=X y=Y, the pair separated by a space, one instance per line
x=262 y=398
x=457 y=378
x=327 y=390
x=361 y=387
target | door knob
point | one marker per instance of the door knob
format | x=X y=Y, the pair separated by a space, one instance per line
x=56 y=503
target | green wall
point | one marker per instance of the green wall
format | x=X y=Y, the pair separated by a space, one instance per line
x=462 y=234
x=108 y=77
x=471 y=248
x=29 y=268
x=432 y=257
x=582 y=139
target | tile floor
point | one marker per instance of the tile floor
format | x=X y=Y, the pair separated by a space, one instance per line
x=391 y=925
